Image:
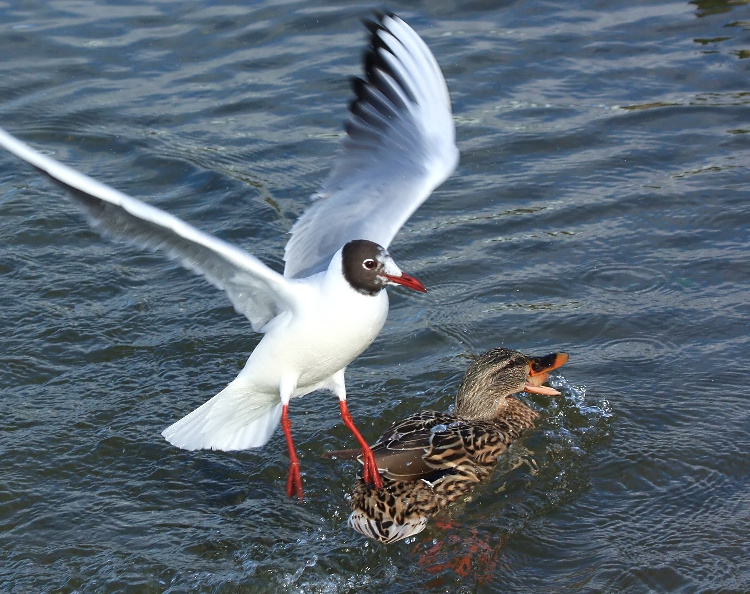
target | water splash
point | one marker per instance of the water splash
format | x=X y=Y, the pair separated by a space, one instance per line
x=574 y=425
x=595 y=411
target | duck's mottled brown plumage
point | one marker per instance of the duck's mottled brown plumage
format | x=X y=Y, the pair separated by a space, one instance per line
x=430 y=459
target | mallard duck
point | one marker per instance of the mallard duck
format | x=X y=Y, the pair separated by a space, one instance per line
x=431 y=458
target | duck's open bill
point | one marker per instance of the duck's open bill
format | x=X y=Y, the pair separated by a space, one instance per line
x=543 y=390
x=539 y=368
x=547 y=363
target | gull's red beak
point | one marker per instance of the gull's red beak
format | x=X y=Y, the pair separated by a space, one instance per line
x=407 y=281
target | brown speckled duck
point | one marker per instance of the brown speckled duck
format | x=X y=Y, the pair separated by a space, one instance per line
x=430 y=459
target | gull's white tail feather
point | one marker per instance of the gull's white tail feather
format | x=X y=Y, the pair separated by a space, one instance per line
x=236 y=418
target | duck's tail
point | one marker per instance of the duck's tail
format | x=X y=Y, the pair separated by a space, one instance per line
x=237 y=418
x=397 y=511
x=384 y=528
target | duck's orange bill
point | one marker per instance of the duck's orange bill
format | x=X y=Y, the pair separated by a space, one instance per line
x=547 y=363
x=539 y=368
x=543 y=390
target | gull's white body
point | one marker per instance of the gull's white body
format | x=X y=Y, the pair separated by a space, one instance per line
x=302 y=352
x=400 y=146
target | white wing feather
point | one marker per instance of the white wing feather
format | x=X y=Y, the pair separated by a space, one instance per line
x=254 y=289
x=400 y=146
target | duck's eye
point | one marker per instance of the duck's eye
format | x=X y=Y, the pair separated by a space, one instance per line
x=369 y=264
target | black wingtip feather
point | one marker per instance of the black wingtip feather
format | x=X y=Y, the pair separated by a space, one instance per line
x=378 y=76
x=372 y=26
x=373 y=61
x=358 y=87
x=381 y=15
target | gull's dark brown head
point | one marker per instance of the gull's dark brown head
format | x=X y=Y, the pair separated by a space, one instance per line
x=369 y=268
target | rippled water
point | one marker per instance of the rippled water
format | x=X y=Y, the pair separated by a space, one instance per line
x=600 y=208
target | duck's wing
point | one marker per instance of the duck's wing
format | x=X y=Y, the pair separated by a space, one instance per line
x=430 y=445
x=254 y=289
x=420 y=446
x=400 y=146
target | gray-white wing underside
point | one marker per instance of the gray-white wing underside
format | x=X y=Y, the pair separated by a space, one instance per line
x=400 y=146
x=254 y=289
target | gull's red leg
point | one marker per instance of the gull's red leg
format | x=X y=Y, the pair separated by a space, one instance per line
x=294 y=481
x=370 y=472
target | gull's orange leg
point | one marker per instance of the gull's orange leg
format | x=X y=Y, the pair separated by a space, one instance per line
x=294 y=481
x=371 y=474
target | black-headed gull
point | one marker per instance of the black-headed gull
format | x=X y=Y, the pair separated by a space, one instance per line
x=329 y=304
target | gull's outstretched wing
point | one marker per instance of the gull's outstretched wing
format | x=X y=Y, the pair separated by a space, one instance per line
x=400 y=146
x=254 y=289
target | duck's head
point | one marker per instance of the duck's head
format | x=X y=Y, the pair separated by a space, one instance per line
x=369 y=268
x=498 y=373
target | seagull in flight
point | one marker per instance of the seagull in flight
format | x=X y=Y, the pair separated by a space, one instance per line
x=330 y=302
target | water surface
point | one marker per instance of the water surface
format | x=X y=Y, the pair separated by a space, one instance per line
x=600 y=208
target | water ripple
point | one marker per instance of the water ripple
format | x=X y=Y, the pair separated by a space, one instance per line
x=623 y=278
x=635 y=349
x=600 y=207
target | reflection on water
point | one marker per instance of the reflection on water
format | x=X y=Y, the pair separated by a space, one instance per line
x=600 y=208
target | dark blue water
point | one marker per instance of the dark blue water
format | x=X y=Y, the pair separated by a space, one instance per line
x=600 y=208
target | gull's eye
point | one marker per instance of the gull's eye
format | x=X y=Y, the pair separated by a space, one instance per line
x=369 y=264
